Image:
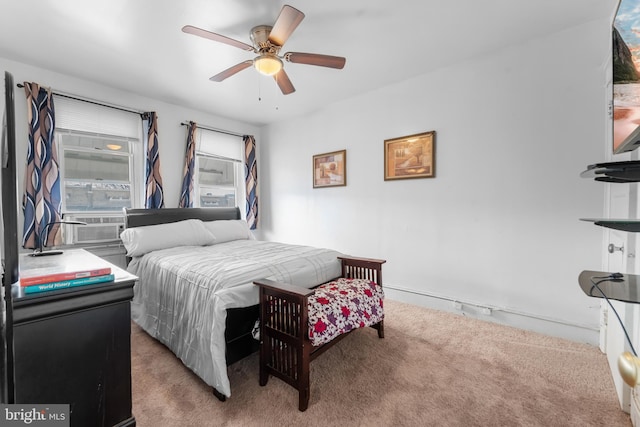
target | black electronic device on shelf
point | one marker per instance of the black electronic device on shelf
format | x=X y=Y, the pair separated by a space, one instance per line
x=617 y=172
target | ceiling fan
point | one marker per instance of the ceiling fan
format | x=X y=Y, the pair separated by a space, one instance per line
x=267 y=41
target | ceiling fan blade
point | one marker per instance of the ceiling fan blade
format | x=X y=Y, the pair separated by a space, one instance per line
x=286 y=22
x=284 y=83
x=189 y=29
x=231 y=71
x=316 y=59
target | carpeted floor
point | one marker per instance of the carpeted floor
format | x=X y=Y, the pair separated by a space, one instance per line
x=431 y=369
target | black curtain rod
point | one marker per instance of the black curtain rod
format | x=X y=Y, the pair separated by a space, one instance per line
x=215 y=130
x=92 y=101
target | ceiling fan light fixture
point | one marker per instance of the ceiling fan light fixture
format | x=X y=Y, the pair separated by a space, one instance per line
x=268 y=64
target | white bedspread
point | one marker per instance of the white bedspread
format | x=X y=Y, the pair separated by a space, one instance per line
x=183 y=293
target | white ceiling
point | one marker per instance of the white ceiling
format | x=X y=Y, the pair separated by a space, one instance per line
x=138 y=45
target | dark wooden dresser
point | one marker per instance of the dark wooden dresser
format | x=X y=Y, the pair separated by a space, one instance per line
x=73 y=346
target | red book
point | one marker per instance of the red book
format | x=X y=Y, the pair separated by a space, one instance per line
x=60 y=277
x=71 y=265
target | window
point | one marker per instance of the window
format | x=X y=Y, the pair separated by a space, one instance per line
x=219 y=178
x=96 y=173
x=216 y=181
x=101 y=168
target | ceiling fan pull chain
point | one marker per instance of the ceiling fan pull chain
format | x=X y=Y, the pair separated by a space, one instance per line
x=259 y=90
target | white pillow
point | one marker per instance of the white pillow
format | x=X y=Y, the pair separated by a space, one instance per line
x=229 y=229
x=141 y=240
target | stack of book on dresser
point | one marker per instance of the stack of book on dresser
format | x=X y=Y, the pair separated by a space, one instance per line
x=72 y=268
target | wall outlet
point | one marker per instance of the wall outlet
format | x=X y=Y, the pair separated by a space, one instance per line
x=486 y=311
x=457 y=305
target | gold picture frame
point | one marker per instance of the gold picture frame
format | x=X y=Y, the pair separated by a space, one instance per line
x=411 y=156
x=330 y=169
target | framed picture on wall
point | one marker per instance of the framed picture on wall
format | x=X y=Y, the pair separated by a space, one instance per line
x=411 y=156
x=330 y=169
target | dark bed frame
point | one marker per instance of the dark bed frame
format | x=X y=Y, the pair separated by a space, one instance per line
x=240 y=321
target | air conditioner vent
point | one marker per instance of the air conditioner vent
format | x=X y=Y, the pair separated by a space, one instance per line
x=98 y=229
x=87 y=234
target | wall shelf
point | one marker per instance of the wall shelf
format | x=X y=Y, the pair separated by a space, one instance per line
x=627 y=171
x=625 y=288
x=632 y=225
x=616 y=286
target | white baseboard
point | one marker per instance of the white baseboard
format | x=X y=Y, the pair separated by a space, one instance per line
x=505 y=316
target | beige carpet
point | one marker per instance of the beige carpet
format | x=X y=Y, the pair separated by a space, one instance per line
x=432 y=369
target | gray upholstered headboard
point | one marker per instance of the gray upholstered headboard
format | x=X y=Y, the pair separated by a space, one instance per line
x=142 y=217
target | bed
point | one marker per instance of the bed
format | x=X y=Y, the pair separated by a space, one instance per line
x=196 y=295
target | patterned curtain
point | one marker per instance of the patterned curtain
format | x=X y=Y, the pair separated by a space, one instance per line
x=251 y=180
x=154 y=195
x=41 y=202
x=186 y=195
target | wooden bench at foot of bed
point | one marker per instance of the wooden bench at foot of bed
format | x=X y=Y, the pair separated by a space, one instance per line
x=286 y=348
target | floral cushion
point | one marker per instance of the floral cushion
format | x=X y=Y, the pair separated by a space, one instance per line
x=342 y=305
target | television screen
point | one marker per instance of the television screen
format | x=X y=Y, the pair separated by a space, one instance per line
x=626 y=77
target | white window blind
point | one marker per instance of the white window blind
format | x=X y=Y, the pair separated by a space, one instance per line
x=219 y=144
x=86 y=117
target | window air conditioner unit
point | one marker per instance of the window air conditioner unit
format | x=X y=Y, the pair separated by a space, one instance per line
x=99 y=229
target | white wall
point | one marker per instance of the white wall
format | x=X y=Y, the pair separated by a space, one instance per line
x=498 y=225
x=171 y=135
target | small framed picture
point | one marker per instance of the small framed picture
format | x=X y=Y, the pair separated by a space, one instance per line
x=330 y=169
x=411 y=156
